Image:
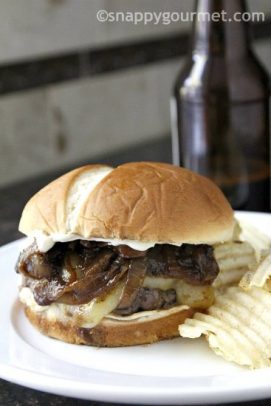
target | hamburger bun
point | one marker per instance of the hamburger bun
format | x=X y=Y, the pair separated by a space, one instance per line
x=145 y=201
x=114 y=333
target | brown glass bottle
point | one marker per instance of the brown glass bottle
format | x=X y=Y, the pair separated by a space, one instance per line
x=220 y=109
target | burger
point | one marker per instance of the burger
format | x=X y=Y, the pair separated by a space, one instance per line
x=119 y=257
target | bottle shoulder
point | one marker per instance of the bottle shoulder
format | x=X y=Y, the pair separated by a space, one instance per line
x=241 y=79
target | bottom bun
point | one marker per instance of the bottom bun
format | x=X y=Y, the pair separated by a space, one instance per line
x=114 y=332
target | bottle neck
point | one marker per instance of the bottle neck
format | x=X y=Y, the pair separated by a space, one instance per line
x=217 y=31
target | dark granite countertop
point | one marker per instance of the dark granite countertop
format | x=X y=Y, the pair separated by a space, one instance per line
x=12 y=201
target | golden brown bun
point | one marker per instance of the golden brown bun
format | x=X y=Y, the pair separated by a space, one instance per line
x=47 y=210
x=112 y=333
x=143 y=201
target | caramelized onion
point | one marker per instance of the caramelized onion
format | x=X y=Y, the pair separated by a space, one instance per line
x=79 y=271
x=68 y=273
x=37 y=266
x=135 y=279
x=98 y=280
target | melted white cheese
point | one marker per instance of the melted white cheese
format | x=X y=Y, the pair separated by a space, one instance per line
x=86 y=315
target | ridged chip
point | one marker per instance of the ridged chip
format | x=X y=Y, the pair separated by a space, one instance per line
x=258 y=277
x=229 y=277
x=234 y=260
x=237 y=326
x=257 y=239
x=236 y=248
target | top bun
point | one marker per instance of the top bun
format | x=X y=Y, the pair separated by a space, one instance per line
x=144 y=201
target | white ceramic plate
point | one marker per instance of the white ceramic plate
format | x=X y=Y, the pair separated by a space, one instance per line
x=173 y=372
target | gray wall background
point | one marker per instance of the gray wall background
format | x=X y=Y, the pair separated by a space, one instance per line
x=46 y=128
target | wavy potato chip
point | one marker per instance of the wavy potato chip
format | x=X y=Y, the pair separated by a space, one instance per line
x=237 y=326
x=229 y=277
x=234 y=260
x=259 y=276
x=257 y=239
